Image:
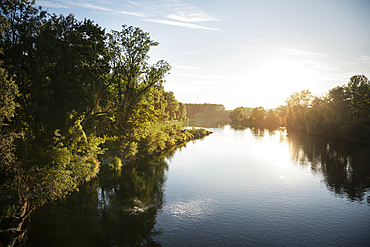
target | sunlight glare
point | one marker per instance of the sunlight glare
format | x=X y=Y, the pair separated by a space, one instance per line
x=282 y=77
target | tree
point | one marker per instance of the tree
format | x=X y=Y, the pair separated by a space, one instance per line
x=359 y=91
x=297 y=104
x=237 y=115
x=134 y=77
x=272 y=119
x=258 y=114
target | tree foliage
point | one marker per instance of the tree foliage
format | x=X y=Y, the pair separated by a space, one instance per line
x=76 y=95
x=343 y=112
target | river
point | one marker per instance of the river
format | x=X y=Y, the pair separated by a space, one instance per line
x=247 y=187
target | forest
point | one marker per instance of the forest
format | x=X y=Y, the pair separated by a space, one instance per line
x=74 y=99
x=343 y=112
x=207 y=115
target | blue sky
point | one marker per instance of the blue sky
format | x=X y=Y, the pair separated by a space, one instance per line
x=243 y=52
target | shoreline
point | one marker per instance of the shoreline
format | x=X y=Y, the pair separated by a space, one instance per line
x=108 y=160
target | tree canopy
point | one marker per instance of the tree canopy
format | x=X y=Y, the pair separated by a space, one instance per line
x=343 y=112
x=74 y=97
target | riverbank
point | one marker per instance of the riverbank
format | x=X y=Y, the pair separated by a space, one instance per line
x=114 y=163
x=13 y=230
x=215 y=184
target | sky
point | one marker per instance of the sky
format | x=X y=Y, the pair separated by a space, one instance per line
x=243 y=52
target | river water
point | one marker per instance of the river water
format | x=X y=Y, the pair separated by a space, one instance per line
x=246 y=187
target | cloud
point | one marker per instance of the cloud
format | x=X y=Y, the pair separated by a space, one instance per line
x=52 y=5
x=173 y=13
x=187 y=13
x=365 y=59
x=70 y=4
x=132 y=2
x=291 y=51
x=97 y=7
x=90 y=6
x=182 y=24
x=129 y=13
x=176 y=13
x=199 y=52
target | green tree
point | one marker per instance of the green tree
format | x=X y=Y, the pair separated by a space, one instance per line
x=297 y=104
x=134 y=78
x=258 y=114
x=359 y=90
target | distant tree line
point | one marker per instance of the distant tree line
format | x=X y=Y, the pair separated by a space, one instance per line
x=207 y=114
x=72 y=96
x=254 y=117
x=343 y=112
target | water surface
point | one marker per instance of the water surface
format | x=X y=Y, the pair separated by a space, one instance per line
x=233 y=188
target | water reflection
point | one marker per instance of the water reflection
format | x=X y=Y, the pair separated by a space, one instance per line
x=214 y=193
x=118 y=209
x=344 y=165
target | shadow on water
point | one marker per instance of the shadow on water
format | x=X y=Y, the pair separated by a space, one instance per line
x=344 y=165
x=120 y=209
x=117 y=209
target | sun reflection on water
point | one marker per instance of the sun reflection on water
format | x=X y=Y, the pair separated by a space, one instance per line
x=195 y=208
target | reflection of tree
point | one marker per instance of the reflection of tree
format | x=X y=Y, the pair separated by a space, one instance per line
x=257 y=132
x=118 y=209
x=345 y=166
x=70 y=223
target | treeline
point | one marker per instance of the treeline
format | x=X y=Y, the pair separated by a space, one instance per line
x=343 y=112
x=254 y=117
x=207 y=114
x=72 y=95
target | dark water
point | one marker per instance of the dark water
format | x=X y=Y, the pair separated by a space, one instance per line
x=232 y=188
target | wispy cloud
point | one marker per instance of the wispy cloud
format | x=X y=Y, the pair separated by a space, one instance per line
x=182 y=24
x=52 y=5
x=70 y=4
x=187 y=13
x=290 y=51
x=132 y=2
x=173 y=13
x=365 y=59
x=91 y=6
x=129 y=13
x=199 y=52
x=176 y=13
x=189 y=17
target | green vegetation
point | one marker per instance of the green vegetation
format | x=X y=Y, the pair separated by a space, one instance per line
x=72 y=97
x=209 y=115
x=343 y=112
x=256 y=117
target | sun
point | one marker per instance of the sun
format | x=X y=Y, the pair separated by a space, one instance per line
x=282 y=77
